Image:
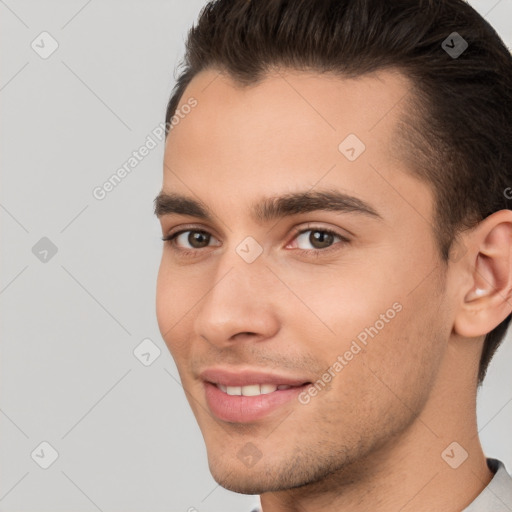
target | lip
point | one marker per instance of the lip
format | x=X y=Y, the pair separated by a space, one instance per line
x=246 y=409
x=245 y=377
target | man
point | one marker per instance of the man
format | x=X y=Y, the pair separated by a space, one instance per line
x=336 y=273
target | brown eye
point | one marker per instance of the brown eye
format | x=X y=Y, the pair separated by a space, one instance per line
x=318 y=239
x=189 y=239
x=198 y=239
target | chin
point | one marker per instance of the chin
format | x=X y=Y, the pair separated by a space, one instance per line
x=242 y=481
x=265 y=475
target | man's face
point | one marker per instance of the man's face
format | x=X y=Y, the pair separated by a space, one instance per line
x=254 y=301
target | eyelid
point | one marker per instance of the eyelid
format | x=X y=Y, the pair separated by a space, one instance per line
x=188 y=227
x=299 y=230
x=311 y=226
x=296 y=231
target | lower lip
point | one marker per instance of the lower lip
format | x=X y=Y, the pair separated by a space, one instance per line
x=244 y=409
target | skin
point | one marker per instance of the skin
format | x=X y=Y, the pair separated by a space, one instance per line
x=373 y=438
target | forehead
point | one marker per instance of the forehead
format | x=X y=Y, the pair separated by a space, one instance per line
x=331 y=104
x=293 y=131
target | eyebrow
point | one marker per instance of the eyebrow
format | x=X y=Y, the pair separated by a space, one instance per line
x=270 y=208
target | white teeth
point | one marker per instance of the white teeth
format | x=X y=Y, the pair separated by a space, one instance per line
x=234 y=390
x=267 y=388
x=251 y=389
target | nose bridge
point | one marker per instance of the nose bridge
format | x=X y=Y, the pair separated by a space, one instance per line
x=237 y=299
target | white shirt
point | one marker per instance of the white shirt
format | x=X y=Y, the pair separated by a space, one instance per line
x=497 y=496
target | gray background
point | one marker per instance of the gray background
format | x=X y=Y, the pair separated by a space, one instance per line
x=125 y=436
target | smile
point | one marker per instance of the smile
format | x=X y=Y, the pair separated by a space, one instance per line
x=252 y=389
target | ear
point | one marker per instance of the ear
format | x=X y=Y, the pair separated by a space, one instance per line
x=487 y=281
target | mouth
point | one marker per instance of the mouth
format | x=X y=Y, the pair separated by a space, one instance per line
x=248 y=396
x=232 y=406
x=255 y=389
x=248 y=379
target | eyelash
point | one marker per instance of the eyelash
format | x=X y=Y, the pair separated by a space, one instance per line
x=297 y=232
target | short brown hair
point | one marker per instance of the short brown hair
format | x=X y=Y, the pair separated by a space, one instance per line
x=458 y=136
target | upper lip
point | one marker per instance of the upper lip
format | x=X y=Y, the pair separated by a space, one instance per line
x=245 y=377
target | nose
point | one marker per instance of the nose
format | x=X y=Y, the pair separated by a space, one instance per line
x=239 y=305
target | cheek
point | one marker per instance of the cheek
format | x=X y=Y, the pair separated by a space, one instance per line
x=165 y=307
x=386 y=316
x=341 y=303
x=174 y=305
x=399 y=360
x=383 y=386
